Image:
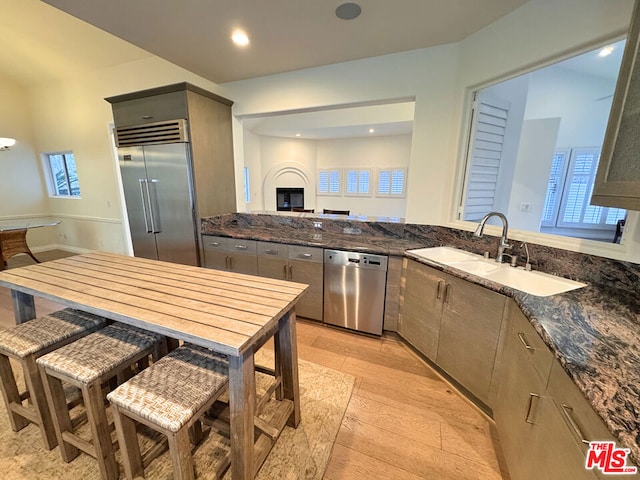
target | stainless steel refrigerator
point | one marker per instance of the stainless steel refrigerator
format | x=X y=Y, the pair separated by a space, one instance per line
x=160 y=205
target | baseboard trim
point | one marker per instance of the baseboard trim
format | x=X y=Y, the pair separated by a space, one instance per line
x=57 y=246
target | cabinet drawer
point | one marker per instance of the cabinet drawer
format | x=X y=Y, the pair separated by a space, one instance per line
x=529 y=341
x=277 y=250
x=213 y=243
x=238 y=245
x=167 y=106
x=308 y=254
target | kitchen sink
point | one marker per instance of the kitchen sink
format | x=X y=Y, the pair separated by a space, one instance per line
x=532 y=282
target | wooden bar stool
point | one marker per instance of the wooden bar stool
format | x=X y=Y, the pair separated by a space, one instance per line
x=88 y=364
x=25 y=343
x=169 y=397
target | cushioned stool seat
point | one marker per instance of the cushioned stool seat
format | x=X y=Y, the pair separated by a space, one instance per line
x=25 y=343
x=87 y=364
x=170 y=397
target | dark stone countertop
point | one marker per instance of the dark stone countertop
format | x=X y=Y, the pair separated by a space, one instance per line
x=594 y=332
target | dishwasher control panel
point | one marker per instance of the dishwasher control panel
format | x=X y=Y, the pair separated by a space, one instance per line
x=356 y=259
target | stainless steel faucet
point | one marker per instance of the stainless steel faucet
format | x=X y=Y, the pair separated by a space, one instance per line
x=503 y=245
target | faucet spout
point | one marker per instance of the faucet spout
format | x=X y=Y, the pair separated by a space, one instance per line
x=503 y=245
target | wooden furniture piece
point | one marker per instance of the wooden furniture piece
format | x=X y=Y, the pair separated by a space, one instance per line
x=231 y=254
x=229 y=313
x=13 y=241
x=336 y=212
x=25 y=343
x=169 y=397
x=454 y=323
x=88 y=364
x=297 y=264
x=617 y=182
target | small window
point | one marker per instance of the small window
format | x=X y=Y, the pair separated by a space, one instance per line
x=391 y=182
x=63 y=177
x=329 y=182
x=358 y=182
x=247 y=186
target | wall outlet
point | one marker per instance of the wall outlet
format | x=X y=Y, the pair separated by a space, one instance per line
x=525 y=207
x=317 y=225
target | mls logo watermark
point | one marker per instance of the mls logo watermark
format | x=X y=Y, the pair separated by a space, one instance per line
x=608 y=458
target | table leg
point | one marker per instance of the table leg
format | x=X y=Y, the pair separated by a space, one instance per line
x=287 y=353
x=242 y=401
x=24 y=307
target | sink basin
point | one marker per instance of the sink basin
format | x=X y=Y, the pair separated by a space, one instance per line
x=532 y=282
x=445 y=255
x=535 y=283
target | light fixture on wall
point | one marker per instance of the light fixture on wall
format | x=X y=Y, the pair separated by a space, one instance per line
x=7 y=143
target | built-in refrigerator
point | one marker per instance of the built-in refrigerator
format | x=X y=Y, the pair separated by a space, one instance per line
x=175 y=150
x=158 y=192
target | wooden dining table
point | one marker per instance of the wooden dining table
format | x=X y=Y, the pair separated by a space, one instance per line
x=230 y=313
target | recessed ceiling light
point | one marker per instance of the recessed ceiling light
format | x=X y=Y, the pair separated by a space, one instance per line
x=297 y=134
x=372 y=130
x=240 y=38
x=605 y=51
x=348 y=11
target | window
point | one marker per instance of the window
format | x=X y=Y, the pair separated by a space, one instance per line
x=329 y=182
x=247 y=187
x=569 y=192
x=391 y=182
x=358 y=182
x=63 y=177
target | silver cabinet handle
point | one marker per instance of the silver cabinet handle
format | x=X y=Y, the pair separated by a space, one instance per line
x=270 y=251
x=530 y=408
x=524 y=342
x=439 y=289
x=566 y=412
x=284 y=270
x=305 y=255
x=154 y=223
x=214 y=244
x=144 y=205
x=227 y=262
x=230 y=262
x=241 y=247
x=290 y=272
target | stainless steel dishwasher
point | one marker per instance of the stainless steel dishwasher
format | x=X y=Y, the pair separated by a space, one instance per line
x=354 y=290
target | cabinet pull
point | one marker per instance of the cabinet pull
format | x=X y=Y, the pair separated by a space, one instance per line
x=241 y=247
x=566 y=412
x=226 y=262
x=447 y=292
x=270 y=251
x=305 y=255
x=439 y=289
x=230 y=263
x=527 y=418
x=524 y=342
x=284 y=269
x=214 y=244
x=290 y=272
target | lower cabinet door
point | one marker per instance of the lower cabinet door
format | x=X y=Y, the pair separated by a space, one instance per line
x=243 y=263
x=273 y=267
x=216 y=259
x=311 y=273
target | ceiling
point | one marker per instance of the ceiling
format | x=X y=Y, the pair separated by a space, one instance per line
x=285 y=35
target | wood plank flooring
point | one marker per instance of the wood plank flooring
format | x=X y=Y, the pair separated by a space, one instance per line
x=403 y=422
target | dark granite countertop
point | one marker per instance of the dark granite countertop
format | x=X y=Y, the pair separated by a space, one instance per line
x=594 y=332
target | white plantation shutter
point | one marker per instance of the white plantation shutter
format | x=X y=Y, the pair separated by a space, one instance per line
x=487 y=140
x=391 y=182
x=358 y=182
x=329 y=182
x=554 y=187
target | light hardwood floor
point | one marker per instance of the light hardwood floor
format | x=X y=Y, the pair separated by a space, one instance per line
x=403 y=422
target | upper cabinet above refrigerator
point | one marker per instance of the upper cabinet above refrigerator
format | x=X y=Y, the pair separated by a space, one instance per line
x=618 y=180
x=176 y=158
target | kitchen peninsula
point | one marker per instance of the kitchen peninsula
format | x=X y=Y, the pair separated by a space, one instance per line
x=593 y=332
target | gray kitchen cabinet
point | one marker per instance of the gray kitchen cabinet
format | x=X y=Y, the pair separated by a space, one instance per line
x=454 y=323
x=234 y=255
x=421 y=307
x=297 y=264
x=469 y=332
x=392 y=295
x=542 y=419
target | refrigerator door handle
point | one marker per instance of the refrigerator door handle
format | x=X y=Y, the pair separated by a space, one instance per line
x=144 y=202
x=154 y=223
